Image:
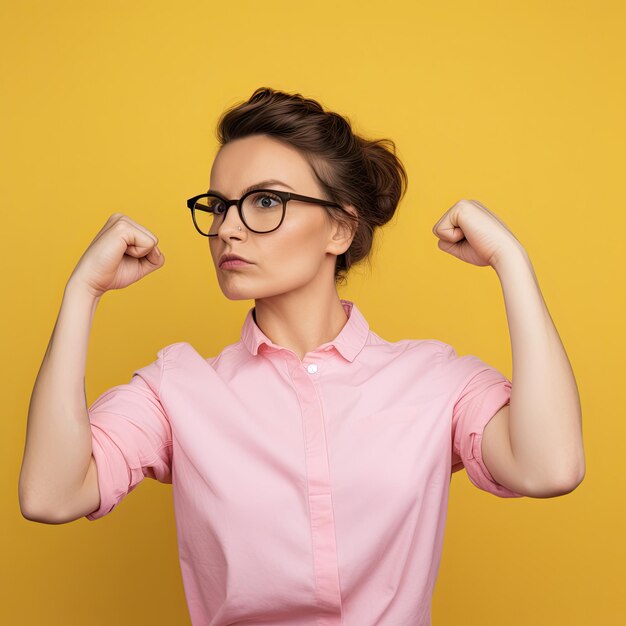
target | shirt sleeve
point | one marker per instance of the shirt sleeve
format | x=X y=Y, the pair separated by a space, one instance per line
x=480 y=392
x=131 y=436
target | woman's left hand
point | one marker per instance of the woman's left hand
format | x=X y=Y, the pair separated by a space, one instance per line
x=471 y=232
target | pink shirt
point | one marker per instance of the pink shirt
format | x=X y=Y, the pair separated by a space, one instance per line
x=306 y=492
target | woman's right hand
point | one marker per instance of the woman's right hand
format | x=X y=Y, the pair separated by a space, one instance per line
x=122 y=253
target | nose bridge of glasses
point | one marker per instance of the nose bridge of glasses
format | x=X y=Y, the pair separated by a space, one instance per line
x=231 y=204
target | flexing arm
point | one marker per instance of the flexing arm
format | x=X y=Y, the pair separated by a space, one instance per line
x=58 y=478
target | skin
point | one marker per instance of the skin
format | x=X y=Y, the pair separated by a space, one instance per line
x=291 y=275
x=534 y=444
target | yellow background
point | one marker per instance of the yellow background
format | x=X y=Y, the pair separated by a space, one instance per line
x=112 y=106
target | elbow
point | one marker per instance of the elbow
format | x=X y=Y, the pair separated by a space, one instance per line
x=41 y=517
x=28 y=509
x=566 y=487
x=576 y=476
x=557 y=486
x=33 y=513
x=580 y=476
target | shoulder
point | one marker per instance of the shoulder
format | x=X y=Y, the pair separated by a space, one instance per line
x=418 y=355
x=422 y=347
x=180 y=353
x=183 y=354
x=440 y=359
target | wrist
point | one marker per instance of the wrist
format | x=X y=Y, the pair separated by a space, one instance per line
x=511 y=261
x=75 y=289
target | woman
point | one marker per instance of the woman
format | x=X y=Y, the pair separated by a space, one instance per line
x=310 y=460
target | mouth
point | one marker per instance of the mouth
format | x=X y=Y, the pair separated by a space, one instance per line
x=231 y=264
x=231 y=261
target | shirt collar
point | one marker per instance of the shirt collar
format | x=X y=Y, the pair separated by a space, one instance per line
x=349 y=342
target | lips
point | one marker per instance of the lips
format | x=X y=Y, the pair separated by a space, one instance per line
x=231 y=257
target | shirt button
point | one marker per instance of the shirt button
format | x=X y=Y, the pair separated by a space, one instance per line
x=312 y=368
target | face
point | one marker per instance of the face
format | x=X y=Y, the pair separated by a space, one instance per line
x=306 y=243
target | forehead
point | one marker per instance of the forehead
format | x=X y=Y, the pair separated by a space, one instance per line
x=245 y=161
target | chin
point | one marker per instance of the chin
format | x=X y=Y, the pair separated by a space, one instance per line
x=237 y=290
x=234 y=289
x=233 y=292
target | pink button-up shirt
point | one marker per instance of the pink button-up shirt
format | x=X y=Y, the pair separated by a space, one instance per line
x=308 y=492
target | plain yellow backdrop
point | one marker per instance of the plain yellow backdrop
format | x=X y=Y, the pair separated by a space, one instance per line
x=112 y=106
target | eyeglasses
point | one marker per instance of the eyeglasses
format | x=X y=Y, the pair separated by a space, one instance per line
x=261 y=210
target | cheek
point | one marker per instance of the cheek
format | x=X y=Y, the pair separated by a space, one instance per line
x=286 y=248
x=297 y=242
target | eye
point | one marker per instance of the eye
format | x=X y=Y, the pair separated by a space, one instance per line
x=263 y=200
x=215 y=205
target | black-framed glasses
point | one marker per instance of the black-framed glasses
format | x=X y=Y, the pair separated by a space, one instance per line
x=261 y=210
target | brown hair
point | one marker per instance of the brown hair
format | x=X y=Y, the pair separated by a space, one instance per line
x=350 y=169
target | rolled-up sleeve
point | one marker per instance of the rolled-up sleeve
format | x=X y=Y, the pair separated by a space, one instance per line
x=480 y=392
x=131 y=436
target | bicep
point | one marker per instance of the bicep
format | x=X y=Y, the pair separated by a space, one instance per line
x=84 y=501
x=498 y=455
x=87 y=498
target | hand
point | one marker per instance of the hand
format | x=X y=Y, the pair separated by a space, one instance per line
x=122 y=253
x=471 y=232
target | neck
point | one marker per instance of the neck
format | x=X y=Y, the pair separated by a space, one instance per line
x=300 y=321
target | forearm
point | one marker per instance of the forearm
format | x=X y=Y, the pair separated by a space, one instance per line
x=545 y=419
x=58 y=439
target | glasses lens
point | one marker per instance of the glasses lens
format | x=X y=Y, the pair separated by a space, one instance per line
x=262 y=211
x=208 y=213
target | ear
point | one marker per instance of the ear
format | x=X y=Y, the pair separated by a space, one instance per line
x=342 y=232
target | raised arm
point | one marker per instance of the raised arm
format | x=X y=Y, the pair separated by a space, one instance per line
x=57 y=453
x=535 y=444
x=58 y=478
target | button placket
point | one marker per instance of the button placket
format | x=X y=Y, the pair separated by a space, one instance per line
x=322 y=520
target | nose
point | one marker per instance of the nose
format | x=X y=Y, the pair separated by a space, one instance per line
x=230 y=225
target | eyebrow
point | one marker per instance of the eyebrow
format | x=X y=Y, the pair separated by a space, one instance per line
x=260 y=185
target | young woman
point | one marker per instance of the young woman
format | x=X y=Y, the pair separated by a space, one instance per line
x=310 y=460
